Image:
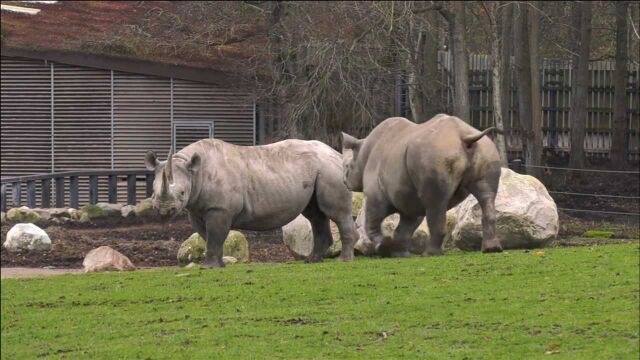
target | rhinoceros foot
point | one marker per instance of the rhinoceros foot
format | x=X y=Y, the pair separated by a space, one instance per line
x=346 y=257
x=390 y=248
x=212 y=263
x=313 y=258
x=491 y=246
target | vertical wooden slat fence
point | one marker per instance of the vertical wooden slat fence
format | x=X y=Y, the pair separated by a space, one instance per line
x=71 y=195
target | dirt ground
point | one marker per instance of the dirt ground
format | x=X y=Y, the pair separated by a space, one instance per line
x=155 y=244
x=146 y=244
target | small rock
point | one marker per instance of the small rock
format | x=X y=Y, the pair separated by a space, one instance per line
x=228 y=260
x=101 y=210
x=128 y=211
x=357 y=200
x=84 y=218
x=194 y=249
x=48 y=267
x=105 y=258
x=237 y=246
x=23 y=215
x=191 y=265
x=145 y=209
x=27 y=237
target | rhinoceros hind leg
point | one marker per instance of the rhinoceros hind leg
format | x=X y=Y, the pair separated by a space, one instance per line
x=321 y=229
x=485 y=192
x=437 y=222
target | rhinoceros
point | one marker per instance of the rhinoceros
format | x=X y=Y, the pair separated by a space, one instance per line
x=422 y=169
x=224 y=186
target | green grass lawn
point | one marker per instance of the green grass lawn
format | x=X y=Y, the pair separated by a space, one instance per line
x=570 y=303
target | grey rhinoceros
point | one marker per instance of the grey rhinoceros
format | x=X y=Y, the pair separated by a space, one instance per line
x=224 y=186
x=422 y=169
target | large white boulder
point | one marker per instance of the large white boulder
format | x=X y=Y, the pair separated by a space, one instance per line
x=298 y=236
x=105 y=258
x=527 y=217
x=26 y=236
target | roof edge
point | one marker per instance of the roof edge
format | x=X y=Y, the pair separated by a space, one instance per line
x=110 y=62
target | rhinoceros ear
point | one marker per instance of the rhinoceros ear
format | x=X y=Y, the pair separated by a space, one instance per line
x=151 y=160
x=350 y=142
x=194 y=163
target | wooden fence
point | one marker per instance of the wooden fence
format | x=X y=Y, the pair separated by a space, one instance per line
x=66 y=190
x=555 y=81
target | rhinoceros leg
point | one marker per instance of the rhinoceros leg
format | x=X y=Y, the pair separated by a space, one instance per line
x=217 y=226
x=485 y=192
x=321 y=229
x=376 y=209
x=399 y=246
x=437 y=222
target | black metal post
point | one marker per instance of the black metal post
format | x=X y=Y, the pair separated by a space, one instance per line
x=73 y=191
x=59 y=192
x=113 y=189
x=46 y=193
x=16 y=189
x=31 y=194
x=93 y=189
x=131 y=189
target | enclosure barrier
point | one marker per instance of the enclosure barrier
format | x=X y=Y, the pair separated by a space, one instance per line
x=57 y=181
x=520 y=167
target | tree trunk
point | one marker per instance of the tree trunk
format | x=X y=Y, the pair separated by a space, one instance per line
x=496 y=59
x=523 y=67
x=506 y=22
x=431 y=81
x=620 y=122
x=580 y=84
x=534 y=155
x=416 y=78
x=460 y=62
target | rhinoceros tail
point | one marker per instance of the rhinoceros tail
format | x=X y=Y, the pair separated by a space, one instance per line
x=470 y=139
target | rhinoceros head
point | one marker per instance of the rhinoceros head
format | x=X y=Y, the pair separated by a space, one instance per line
x=352 y=168
x=173 y=181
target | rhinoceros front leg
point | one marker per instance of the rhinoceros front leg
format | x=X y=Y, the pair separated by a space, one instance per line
x=217 y=227
x=376 y=209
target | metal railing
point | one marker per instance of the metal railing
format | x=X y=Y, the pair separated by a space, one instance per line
x=72 y=179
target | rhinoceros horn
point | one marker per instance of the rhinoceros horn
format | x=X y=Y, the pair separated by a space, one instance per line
x=167 y=173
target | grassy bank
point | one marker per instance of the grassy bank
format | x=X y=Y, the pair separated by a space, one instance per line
x=569 y=302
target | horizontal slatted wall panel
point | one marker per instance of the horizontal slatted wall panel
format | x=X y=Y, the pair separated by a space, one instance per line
x=231 y=113
x=82 y=125
x=186 y=135
x=142 y=122
x=26 y=117
x=25 y=133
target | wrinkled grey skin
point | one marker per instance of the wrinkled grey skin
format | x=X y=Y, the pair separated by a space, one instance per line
x=224 y=186
x=422 y=169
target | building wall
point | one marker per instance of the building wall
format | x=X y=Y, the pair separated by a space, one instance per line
x=57 y=117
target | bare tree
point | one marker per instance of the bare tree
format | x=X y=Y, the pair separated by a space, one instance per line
x=491 y=9
x=580 y=82
x=534 y=153
x=525 y=73
x=620 y=121
x=456 y=19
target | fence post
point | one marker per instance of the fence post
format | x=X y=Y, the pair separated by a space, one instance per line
x=149 y=180
x=73 y=191
x=16 y=189
x=59 y=192
x=3 y=198
x=31 y=194
x=93 y=189
x=46 y=193
x=131 y=189
x=113 y=189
